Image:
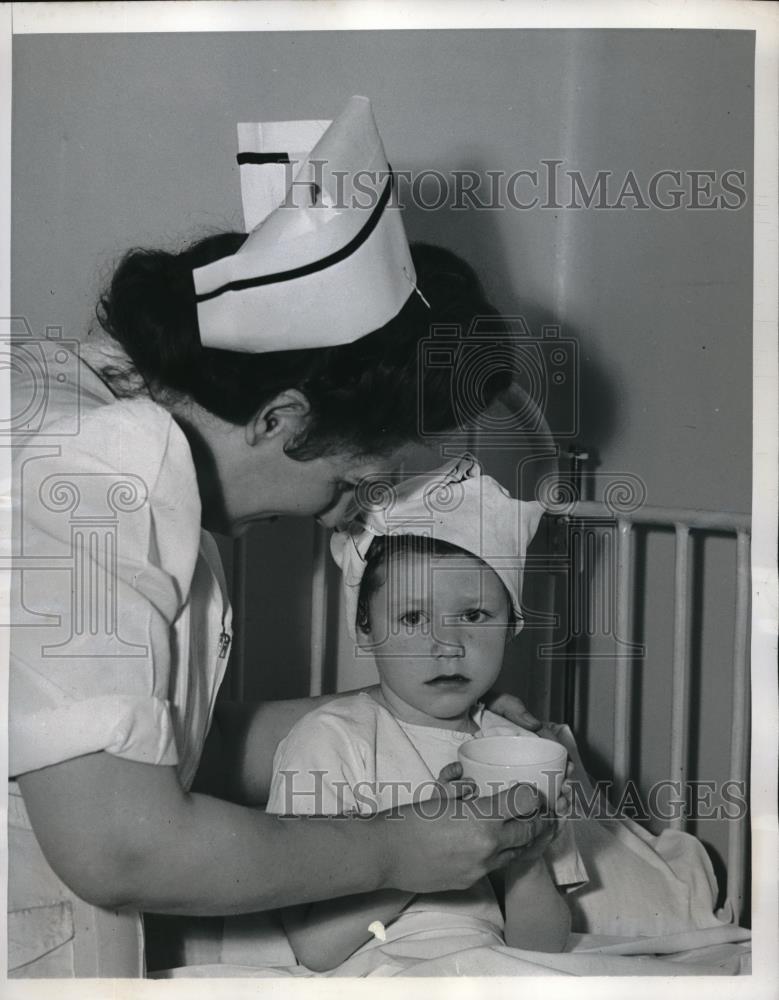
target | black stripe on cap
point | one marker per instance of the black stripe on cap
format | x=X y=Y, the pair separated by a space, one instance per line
x=262 y=158
x=318 y=265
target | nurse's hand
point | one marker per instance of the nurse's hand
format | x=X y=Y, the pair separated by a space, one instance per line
x=511 y=708
x=451 y=784
x=451 y=842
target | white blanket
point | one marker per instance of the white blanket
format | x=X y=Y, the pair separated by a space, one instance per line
x=723 y=951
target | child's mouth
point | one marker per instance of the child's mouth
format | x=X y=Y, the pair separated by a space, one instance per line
x=448 y=680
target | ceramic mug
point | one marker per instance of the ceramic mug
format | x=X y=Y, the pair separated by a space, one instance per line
x=495 y=763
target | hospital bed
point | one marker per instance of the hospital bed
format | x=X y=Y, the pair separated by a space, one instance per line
x=579 y=540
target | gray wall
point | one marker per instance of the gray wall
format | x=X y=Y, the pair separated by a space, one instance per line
x=124 y=140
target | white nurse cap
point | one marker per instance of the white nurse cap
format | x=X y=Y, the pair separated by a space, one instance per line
x=326 y=260
x=454 y=504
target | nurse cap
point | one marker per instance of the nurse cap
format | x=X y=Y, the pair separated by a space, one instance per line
x=454 y=504
x=326 y=260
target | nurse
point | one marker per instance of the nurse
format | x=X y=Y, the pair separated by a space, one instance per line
x=240 y=379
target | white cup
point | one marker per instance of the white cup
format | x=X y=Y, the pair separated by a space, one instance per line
x=495 y=763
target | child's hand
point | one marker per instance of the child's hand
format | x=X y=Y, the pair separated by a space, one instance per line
x=562 y=806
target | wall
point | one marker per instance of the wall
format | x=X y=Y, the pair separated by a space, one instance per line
x=124 y=140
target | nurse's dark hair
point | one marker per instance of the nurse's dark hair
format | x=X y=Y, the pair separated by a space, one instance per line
x=384 y=548
x=367 y=397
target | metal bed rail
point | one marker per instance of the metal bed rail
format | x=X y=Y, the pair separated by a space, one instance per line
x=682 y=521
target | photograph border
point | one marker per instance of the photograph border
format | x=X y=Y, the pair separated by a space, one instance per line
x=344 y=15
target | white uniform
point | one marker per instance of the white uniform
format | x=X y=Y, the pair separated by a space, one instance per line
x=121 y=628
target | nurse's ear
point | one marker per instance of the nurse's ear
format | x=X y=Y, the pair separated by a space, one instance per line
x=284 y=417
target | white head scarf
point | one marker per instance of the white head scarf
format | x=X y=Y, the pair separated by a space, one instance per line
x=454 y=504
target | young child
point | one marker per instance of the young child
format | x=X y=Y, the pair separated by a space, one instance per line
x=432 y=586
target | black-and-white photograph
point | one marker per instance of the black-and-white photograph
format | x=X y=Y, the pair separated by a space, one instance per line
x=382 y=420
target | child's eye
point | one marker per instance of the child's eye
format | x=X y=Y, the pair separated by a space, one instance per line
x=412 y=618
x=475 y=615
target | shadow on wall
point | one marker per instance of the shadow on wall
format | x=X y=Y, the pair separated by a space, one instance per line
x=588 y=416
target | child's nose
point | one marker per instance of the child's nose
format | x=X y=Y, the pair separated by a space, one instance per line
x=446 y=644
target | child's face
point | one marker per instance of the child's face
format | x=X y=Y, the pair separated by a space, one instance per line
x=438 y=630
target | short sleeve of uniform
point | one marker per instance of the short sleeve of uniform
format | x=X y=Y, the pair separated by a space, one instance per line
x=320 y=766
x=106 y=534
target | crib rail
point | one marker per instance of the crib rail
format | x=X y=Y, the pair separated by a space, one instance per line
x=739 y=732
x=687 y=517
x=683 y=521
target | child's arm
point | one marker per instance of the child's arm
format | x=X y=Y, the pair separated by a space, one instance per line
x=537 y=916
x=322 y=747
x=325 y=934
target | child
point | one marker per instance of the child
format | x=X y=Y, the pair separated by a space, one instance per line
x=432 y=587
